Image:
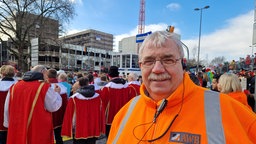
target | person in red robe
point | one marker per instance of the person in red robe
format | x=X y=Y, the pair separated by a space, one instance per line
x=132 y=82
x=7 y=72
x=84 y=116
x=91 y=79
x=28 y=109
x=115 y=95
x=58 y=115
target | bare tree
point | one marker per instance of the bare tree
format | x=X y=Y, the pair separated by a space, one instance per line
x=194 y=52
x=16 y=23
x=218 y=60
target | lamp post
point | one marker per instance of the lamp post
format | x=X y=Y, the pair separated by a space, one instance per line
x=252 y=46
x=201 y=10
x=252 y=57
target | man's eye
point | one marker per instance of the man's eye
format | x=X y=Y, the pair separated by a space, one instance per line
x=168 y=61
x=148 y=62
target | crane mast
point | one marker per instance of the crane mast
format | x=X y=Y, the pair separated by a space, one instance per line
x=141 y=26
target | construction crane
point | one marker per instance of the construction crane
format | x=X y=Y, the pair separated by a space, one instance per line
x=254 y=29
x=141 y=26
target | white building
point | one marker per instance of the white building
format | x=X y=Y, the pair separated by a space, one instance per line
x=127 y=58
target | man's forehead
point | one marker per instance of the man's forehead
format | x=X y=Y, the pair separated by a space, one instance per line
x=161 y=43
x=163 y=55
x=170 y=50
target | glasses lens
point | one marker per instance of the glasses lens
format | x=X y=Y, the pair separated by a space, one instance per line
x=168 y=61
x=165 y=62
x=148 y=63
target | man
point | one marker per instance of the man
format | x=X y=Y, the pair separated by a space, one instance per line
x=91 y=79
x=115 y=95
x=28 y=109
x=172 y=109
x=58 y=115
x=84 y=118
x=7 y=72
x=103 y=80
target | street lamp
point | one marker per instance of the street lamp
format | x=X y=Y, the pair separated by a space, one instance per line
x=252 y=46
x=201 y=10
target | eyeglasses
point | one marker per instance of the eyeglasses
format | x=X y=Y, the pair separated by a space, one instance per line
x=149 y=63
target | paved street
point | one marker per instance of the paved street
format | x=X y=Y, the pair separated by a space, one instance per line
x=71 y=142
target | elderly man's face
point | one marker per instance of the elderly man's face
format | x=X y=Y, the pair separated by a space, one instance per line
x=161 y=78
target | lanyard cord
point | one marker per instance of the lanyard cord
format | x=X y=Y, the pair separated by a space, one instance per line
x=144 y=133
x=152 y=140
x=165 y=130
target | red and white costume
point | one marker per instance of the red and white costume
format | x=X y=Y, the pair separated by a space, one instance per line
x=4 y=87
x=85 y=115
x=135 y=85
x=29 y=121
x=115 y=96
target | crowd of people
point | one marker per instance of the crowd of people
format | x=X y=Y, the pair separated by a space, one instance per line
x=44 y=105
x=166 y=104
x=238 y=85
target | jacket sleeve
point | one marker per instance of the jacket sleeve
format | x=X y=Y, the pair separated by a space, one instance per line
x=53 y=100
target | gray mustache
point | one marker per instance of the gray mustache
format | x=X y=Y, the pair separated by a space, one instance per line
x=164 y=76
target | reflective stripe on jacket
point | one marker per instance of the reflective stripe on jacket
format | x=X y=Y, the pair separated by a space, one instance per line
x=205 y=117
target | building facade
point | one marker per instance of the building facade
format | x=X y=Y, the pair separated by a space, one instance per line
x=127 y=57
x=128 y=45
x=90 y=39
x=127 y=63
x=87 y=50
x=29 y=27
x=95 y=50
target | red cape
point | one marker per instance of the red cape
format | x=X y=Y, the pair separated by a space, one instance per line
x=89 y=118
x=39 y=130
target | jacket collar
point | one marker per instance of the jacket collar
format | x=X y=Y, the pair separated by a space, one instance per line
x=175 y=98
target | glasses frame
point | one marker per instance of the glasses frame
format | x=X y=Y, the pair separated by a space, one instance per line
x=142 y=63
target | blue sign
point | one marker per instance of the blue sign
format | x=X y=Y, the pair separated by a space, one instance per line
x=140 y=37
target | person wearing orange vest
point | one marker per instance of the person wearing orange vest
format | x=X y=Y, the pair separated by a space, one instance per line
x=28 y=109
x=172 y=109
x=230 y=84
x=7 y=72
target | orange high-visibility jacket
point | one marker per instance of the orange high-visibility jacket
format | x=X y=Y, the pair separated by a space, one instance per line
x=203 y=116
x=241 y=97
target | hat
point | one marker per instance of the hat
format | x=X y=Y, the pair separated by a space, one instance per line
x=113 y=71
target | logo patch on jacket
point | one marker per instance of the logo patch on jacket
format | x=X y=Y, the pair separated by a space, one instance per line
x=186 y=138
